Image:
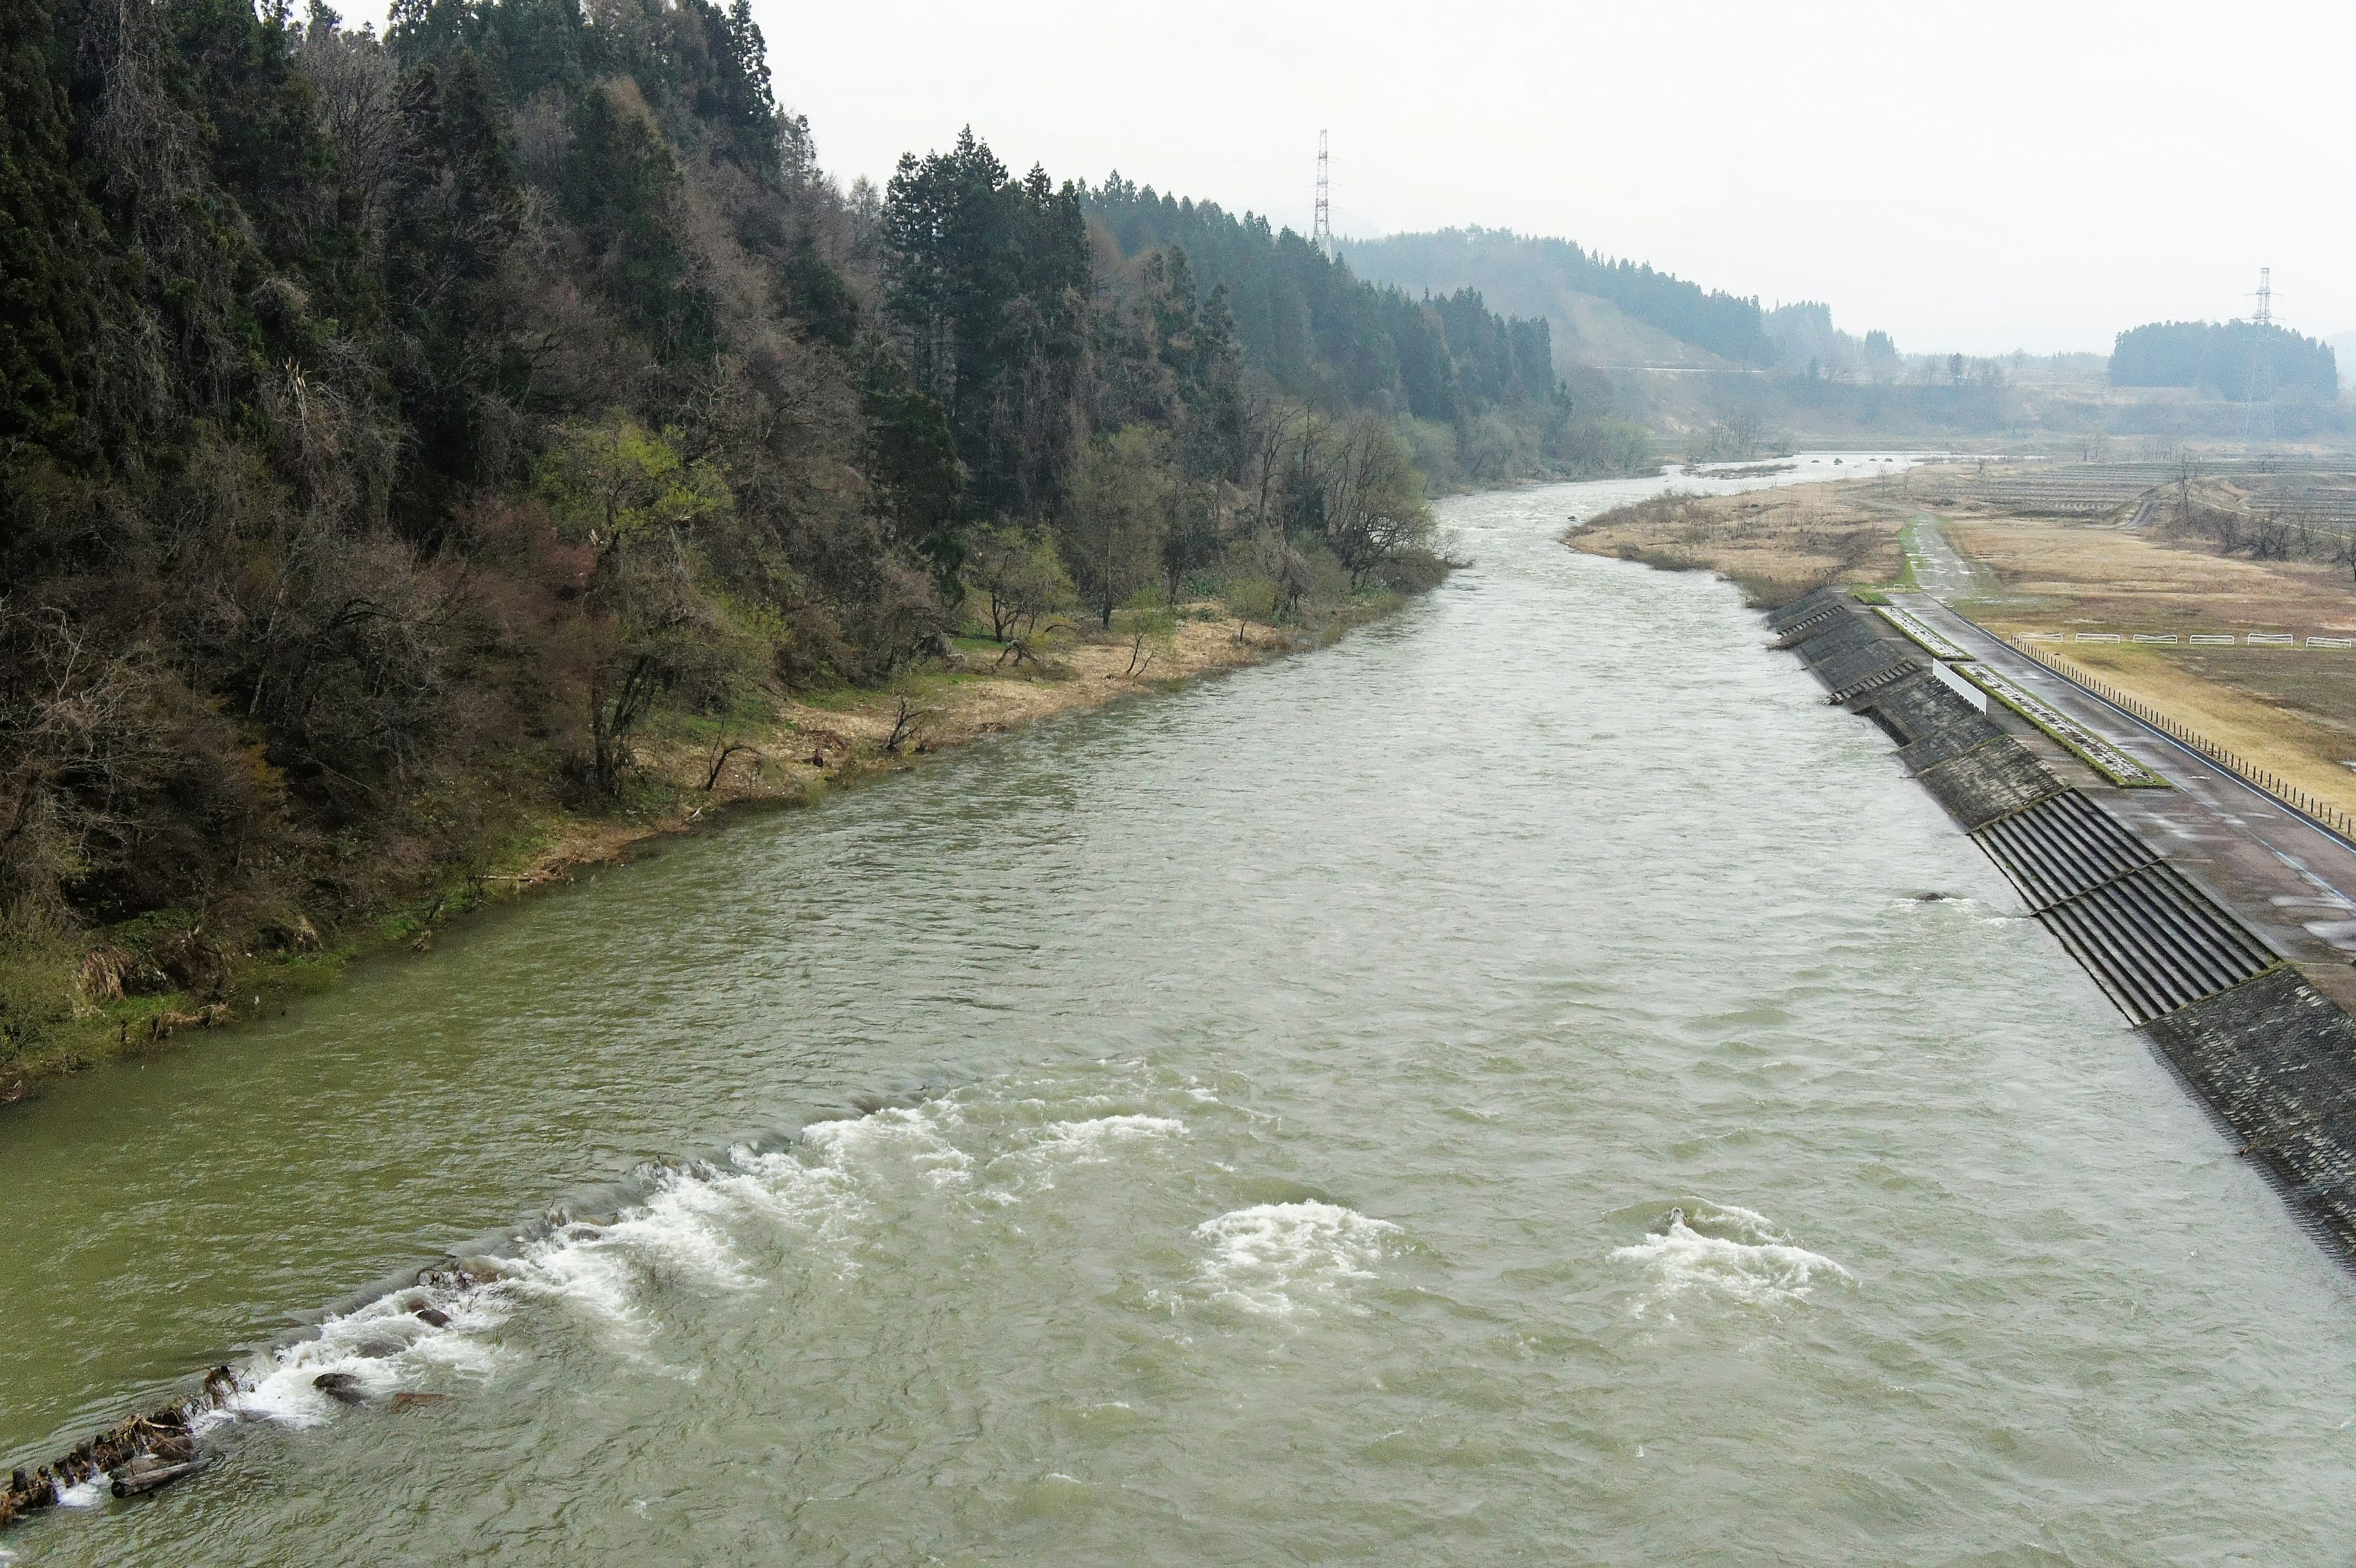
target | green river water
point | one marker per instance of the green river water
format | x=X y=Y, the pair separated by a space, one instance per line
x=1279 y=1091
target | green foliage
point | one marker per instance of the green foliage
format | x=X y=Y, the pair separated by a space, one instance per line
x=1605 y=446
x=392 y=430
x=39 y=974
x=49 y=306
x=455 y=209
x=613 y=481
x=1250 y=598
x=1113 y=527
x=1018 y=576
x=1374 y=509
x=989 y=277
x=912 y=459
x=817 y=294
x=622 y=190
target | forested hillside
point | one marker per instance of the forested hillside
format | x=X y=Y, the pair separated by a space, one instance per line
x=393 y=431
x=1307 y=322
x=2234 y=360
x=1535 y=276
x=1484 y=396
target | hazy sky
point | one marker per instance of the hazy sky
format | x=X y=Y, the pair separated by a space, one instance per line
x=1980 y=176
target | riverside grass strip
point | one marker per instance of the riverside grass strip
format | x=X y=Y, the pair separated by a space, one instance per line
x=1923 y=634
x=2092 y=749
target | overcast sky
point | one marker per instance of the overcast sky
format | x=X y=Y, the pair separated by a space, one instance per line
x=1980 y=176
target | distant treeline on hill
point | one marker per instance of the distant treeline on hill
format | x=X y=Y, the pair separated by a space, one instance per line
x=1318 y=331
x=1522 y=273
x=2236 y=359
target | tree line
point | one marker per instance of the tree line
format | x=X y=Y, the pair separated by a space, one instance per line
x=393 y=428
x=1477 y=393
x=2238 y=360
x=1533 y=274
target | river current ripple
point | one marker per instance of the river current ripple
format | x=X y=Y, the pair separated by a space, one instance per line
x=1285 y=1086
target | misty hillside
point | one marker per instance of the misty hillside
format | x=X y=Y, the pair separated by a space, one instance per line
x=1614 y=314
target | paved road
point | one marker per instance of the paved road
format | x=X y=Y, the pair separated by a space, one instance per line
x=1938 y=566
x=2286 y=878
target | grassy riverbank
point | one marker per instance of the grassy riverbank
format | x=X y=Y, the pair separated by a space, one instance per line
x=787 y=749
x=1775 y=545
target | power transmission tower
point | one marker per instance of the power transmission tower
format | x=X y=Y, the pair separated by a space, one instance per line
x=1321 y=228
x=2258 y=405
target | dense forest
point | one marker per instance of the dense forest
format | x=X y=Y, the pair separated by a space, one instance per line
x=2237 y=361
x=1533 y=275
x=393 y=430
x=1482 y=396
x=1305 y=320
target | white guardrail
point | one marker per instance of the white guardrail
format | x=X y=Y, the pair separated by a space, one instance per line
x=2162 y=639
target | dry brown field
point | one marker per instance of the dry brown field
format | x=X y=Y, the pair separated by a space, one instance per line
x=1774 y=544
x=2292 y=711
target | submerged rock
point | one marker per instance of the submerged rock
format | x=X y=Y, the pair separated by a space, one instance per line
x=342 y=1387
x=433 y=1316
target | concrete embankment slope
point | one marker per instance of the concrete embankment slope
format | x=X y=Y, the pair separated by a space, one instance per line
x=2180 y=921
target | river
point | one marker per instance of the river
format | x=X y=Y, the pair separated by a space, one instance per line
x=1279 y=1093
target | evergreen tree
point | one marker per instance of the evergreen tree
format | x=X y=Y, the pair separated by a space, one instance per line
x=49 y=289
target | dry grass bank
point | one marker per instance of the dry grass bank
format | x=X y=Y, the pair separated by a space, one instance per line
x=1775 y=545
x=793 y=754
x=810 y=745
x=2290 y=710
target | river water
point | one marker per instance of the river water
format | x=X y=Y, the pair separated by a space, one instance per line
x=1280 y=1090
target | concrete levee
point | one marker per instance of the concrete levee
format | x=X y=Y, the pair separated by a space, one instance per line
x=1940 y=745
x=1916 y=709
x=2275 y=1061
x=2269 y=1053
x=1989 y=782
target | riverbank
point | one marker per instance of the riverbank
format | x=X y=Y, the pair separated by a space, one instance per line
x=684 y=776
